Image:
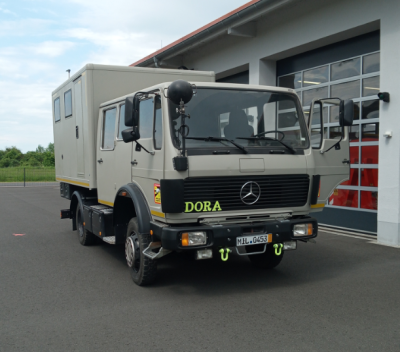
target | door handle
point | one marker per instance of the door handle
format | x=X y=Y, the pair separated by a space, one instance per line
x=77 y=132
x=100 y=161
x=134 y=162
x=345 y=161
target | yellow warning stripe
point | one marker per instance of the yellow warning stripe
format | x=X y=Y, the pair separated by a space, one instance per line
x=314 y=206
x=157 y=213
x=106 y=203
x=73 y=182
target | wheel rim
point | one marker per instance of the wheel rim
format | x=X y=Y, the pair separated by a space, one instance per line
x=132 y=252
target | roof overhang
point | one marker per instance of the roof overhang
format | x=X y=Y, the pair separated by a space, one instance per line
x=239 y=22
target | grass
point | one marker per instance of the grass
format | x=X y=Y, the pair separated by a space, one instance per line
x=16 y=174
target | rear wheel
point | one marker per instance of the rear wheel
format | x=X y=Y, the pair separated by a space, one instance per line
x=85 y=238
x=267 y=260
x=143 y=269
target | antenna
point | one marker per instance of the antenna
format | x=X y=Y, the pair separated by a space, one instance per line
x=69 y=73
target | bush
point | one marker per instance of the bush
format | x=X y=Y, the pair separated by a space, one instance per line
x=42 y=157
x=49 y=159
x=5 y=162
x=14 y=163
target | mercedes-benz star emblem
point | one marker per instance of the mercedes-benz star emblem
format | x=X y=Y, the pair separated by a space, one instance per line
x=250 y=193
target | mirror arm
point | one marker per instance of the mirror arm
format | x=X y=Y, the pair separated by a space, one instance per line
x=338 y=142
x=137 y=143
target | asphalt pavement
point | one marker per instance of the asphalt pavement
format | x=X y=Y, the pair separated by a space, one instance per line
x=341 y=294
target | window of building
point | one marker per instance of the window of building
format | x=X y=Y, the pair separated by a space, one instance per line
x=57 y=111
x=68 y=103
x=108 y=129
x=355 y=78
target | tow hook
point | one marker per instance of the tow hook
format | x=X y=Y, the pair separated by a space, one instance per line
x=224 y=258
x=278 y=248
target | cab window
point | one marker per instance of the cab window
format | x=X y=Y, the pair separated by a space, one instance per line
x=108 y=130
x=146 y=110
x=121 y=125
x=157 y=123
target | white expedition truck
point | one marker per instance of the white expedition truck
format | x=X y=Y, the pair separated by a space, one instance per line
x=193 y=166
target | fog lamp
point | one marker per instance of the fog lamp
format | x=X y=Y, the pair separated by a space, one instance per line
x=301 y=230
x=289 y=245
x=204 y=254
x=197 y=238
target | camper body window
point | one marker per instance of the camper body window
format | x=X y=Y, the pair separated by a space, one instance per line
x=68 y=103
x=108 y=130
x=57 y=112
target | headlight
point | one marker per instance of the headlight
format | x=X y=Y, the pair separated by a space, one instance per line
x=301 y=230
x=197 y=238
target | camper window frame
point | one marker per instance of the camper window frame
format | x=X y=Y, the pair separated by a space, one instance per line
x=102 y=127
x=59 y=109
x=65 y=113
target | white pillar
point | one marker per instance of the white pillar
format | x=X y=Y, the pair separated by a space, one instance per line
x=389 y=148
x=262 y=72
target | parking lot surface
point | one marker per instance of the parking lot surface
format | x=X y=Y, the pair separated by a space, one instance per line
x=341 y=294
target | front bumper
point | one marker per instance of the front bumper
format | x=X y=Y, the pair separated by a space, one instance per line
x=225 y=235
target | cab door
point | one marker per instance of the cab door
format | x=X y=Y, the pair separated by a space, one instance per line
x=105 y=156
x=148 y=168
x=331 y=154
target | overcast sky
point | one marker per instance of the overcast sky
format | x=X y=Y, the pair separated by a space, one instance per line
x=40 y=39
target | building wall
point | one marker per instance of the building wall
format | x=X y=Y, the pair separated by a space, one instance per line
x=307 y=25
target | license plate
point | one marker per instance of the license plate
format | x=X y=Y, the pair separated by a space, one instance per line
x=250 y=240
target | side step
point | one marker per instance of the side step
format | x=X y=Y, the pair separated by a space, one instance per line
x=148 y=252
x=109 y=239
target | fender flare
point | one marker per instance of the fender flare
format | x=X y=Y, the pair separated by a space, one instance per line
x=141 y=208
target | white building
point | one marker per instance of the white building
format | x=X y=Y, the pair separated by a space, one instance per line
x=321 y=48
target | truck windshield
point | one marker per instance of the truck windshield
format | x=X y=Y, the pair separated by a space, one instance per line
x=241 y=116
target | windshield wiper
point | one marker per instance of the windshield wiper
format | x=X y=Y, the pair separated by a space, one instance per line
x=270 y=139
x=219 y=139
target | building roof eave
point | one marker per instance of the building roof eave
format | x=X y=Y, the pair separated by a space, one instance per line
x=206 y=31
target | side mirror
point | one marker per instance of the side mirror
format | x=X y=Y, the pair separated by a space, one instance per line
x=130 y=134
x=132 y=111
x=346 y=113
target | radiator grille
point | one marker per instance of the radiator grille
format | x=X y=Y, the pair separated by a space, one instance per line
x=277 y=191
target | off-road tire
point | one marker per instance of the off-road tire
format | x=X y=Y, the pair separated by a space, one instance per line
x=85 y=238
x=267 y=260
x=144 y=270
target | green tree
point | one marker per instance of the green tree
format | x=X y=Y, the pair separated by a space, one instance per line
x=5 y=162
x=13 y=153
x=50 y=148
x=40 y=149
x=49 y=159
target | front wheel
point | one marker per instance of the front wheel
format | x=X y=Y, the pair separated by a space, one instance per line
x=143 y=269
x=266 y=260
